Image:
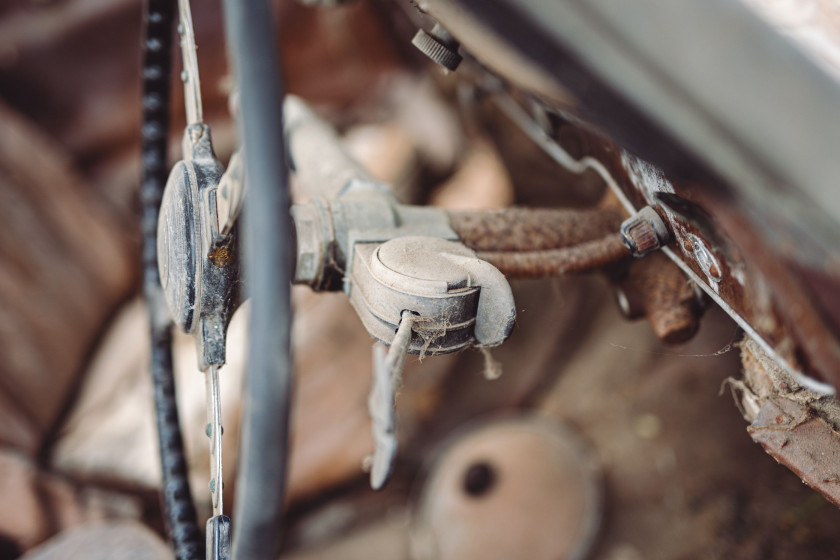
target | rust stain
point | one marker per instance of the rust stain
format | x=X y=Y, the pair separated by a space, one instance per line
x=810 y=448
x=221 y=257
x=525 y=229
x=665 y=296
x=578 y=259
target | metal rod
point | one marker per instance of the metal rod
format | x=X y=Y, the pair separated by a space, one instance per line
x=192 y=84
x=218 y=538
x=387 y=376
x=533 y=229
x=322 y=165
x=578 y=166
x=577 y=259
x=214 y=432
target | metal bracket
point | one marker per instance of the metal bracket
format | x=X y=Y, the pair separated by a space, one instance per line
x=459 y=299
x=389 y=257
x=415 y=287
x=196 y=262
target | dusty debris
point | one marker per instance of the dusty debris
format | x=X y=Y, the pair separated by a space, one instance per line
x=796 y=426
x=765 y=379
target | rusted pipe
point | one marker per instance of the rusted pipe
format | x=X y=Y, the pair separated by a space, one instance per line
x=657 y=288
x=580 y=258
x=539 y=229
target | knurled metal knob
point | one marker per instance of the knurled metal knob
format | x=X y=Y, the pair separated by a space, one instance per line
x=438 y=45
x=644 y=233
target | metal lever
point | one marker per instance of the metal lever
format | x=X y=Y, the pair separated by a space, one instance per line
x=402 y=266
x=214 y=431
x=218 y=538
x=230 y=195
x=192 y=85
x=195 y=258
x=387 y=376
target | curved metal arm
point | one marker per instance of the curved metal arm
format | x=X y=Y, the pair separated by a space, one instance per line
x=192 y=85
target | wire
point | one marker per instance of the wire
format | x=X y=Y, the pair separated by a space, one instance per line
x=261 y=476
x=179 y=511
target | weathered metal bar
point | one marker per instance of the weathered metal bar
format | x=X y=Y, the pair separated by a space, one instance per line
x=533 y=229
x=578 y=259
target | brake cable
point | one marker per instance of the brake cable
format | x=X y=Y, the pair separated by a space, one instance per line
x=261 y=477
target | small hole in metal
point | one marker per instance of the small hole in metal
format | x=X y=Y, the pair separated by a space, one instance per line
x=479 y=479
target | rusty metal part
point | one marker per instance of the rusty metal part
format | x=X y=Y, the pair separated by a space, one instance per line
x=798 y=427
x=794 y=302
x=805 y=444
x=578 y=259
x=644 y=232
x=657 y=288
x=523 y=229
x=741 y=268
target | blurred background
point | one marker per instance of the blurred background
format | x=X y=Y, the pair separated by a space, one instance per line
x=596 y=439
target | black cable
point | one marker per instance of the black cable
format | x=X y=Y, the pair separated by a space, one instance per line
x=261 y=475
x=179 y=511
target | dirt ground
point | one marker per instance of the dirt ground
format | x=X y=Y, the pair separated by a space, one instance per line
x=682 y=477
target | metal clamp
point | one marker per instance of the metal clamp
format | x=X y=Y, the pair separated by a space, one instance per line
x=459 y=299
x=415 y=287
x=389 y=257
x=195 y=261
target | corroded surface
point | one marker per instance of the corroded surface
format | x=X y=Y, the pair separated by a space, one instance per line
x=525 y=229
x=797 y=427
x=585 y=257
x=660 y=290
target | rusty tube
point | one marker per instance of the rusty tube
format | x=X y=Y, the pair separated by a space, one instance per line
x=657 y=288
x=526 y=229
x=578 y=259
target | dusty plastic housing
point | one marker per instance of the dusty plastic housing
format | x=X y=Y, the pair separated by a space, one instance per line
x=459 y=299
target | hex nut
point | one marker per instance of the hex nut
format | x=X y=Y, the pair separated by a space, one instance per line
x=644 y=233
